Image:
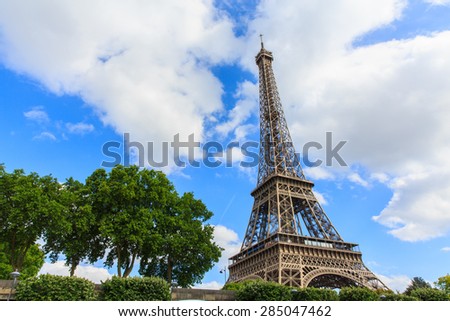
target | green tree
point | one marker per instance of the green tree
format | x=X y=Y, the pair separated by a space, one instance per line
x=76 y=235
x=443 y=283
x=27 y=204
x=184 y=249
x=34 y=259
x=429 y=294
x=126 y=202
x=417 y=283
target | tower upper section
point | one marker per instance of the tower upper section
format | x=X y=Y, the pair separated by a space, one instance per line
x=277 y=153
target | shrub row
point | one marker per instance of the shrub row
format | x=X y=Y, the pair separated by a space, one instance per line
x=64 y=288
x=263 y=291
x=48 y=287
x=270 y=291
x=135 y=289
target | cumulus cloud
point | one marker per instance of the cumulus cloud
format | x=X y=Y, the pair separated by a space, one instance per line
x=79 y=128
x=389 y=100
x=37 y=114
x=395 y=282
x=357 y=179
x=46 y=135
x=92 y=273
x=246 y=106
x=418 y=209
x=317 y=173
x=147 y=72
x=379 y=177
x=213 y=285
x=144 y=66
x=446 y=249
x=320 y=197
x=438 y=2
x=229 y=241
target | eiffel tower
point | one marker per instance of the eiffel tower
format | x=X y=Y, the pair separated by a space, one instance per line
x=289 y=239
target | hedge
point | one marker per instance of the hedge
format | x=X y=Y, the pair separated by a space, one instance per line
x=314 y=294
x=48 y=287
x=358 y=294
x=235 y=286
x=263 y=291
x=135 y=289
x=397 y=297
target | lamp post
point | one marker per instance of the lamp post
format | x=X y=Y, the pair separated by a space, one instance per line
x=15 y=275
x=224 y=271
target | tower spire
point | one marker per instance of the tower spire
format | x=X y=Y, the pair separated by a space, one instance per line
x=262 y=43
x=289 y=238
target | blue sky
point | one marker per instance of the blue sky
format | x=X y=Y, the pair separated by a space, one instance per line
x=76 y=75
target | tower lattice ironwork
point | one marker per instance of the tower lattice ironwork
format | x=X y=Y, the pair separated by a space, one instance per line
x=289 y=238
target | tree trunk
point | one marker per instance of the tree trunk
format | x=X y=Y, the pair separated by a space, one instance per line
x=169 y=270
x=128 y=270
x=119 y=263
x=20 y=257
x=73 y=266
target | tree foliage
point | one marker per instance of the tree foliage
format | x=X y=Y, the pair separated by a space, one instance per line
x=122 y=216
x=34 y=259
x=126 y=202
x=135 y=289
x=416 y=283
x=76 y=235
x=429 y=294
x=27 y=204
x=184 y=249
x=443 y=283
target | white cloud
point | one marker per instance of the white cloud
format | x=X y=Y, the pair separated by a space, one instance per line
x=418 y=209
x=213 y=285
x=317 y=172
x=320 y=198
x=380 y=177
x=438 y=2
x=45 y=136
x=357 y=179
x=143 y=65
x=89 y=272
x=446 y=249
x=79 y=128
x=245 y=107
x=229 y=241
x=388 y=100
x=395 y=282
x=37 y=114
x=146 y=71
